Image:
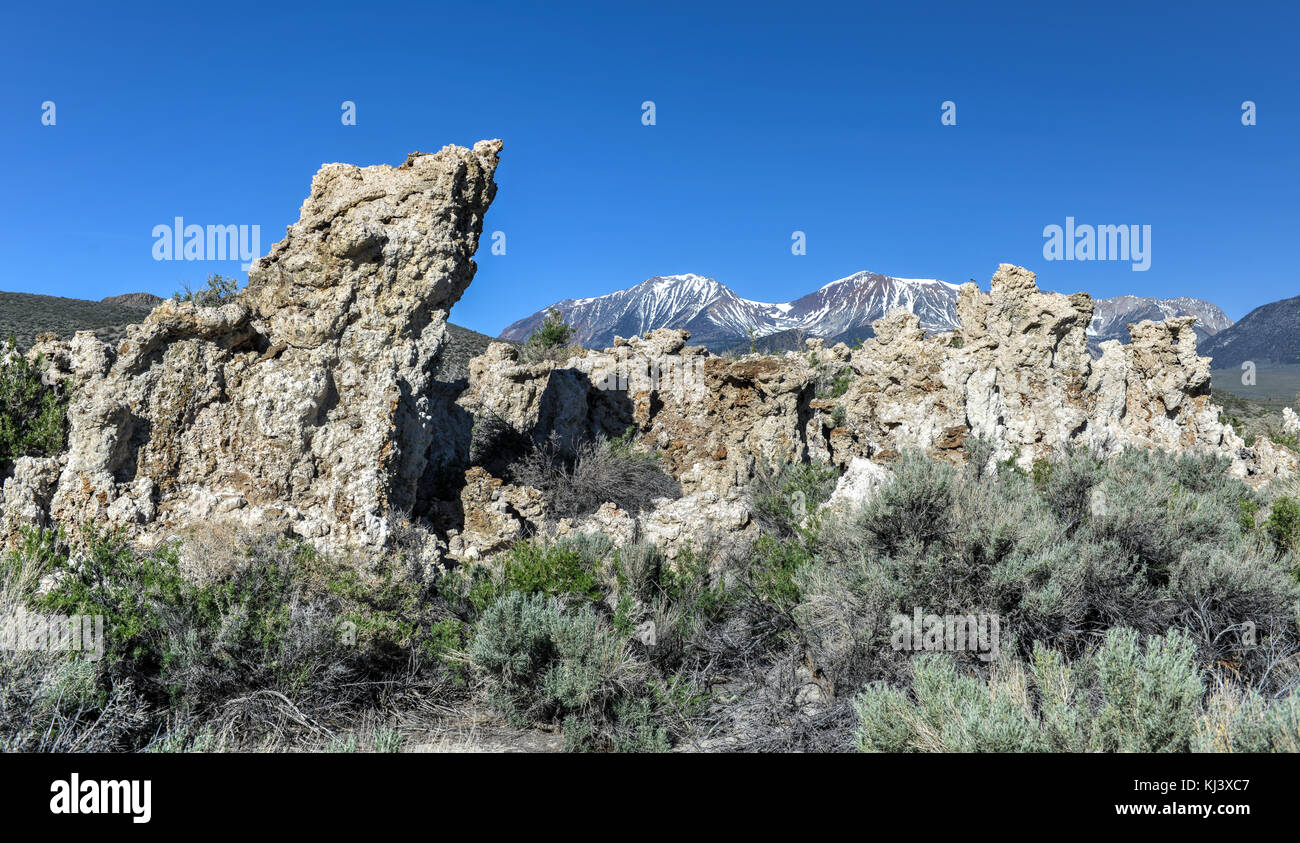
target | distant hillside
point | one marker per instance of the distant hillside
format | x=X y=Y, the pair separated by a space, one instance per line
x=143 y=301
x=25 y=316
x=1267 y=336
x=461 y=345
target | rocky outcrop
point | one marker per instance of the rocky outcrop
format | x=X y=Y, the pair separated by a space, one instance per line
x=494 y=515
x=710 y=418
x=858 y=486
x=1016 y=373
x=1290 y=422
x=25 y=494
x=305 y=400
x=310 y=402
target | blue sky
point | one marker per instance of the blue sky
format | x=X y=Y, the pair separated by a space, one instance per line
x=770 y=119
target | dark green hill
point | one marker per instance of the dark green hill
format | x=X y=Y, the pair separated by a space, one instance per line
x=1267 y=336
x=25 y=316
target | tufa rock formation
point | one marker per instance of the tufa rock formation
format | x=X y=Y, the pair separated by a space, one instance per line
x=309 y=403
x=1016 y=373
x=303 y=402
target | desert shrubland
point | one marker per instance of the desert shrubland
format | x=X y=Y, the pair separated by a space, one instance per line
x=1145 y=602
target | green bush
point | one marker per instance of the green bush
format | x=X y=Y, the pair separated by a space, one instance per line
x=544 y=663
x=33 y=415
x=552 y=570
x=198 y=644
x=784 y=498
x=216 y=291
x=281 y=638
x=1122 y=698
x=771 y=572
x=1283 y=525
x=1144 y=540
x=834 y=385
x=1243 y=721
x=916 y=509
x=1150 y=700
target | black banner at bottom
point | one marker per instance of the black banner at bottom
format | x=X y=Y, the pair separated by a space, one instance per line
x=142 y=794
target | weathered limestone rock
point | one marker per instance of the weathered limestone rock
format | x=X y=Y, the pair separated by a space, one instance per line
x=25 y=495
x=496 y=515
x=710 y=418
x=1290 y=422
x=532 y=398
x=698 y=521
x=1270 y=461
x=858 y=486
x=305 y=401
x=308 y=402
x=1017 y=373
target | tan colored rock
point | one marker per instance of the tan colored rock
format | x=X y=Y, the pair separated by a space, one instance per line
x=710 y=418
x=1017 y=373
x=25 y=495
x=496 y=515
x=304 y=400
x=699 y=521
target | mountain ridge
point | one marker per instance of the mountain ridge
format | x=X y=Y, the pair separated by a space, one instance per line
x=839 y=311
x=717 y=317
x=1268 y=336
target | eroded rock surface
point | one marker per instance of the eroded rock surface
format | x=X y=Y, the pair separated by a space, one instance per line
x=308 y=403
x=1017 y=373
x=306 y=400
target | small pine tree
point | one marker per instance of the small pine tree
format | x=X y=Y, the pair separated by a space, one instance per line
x=554 y=334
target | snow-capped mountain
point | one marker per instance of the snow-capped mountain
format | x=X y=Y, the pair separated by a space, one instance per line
x=849 y=306
x=717 y=317
x=1111 y=317
x=842 y=310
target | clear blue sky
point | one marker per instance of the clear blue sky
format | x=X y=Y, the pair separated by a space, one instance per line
x=823 y=118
